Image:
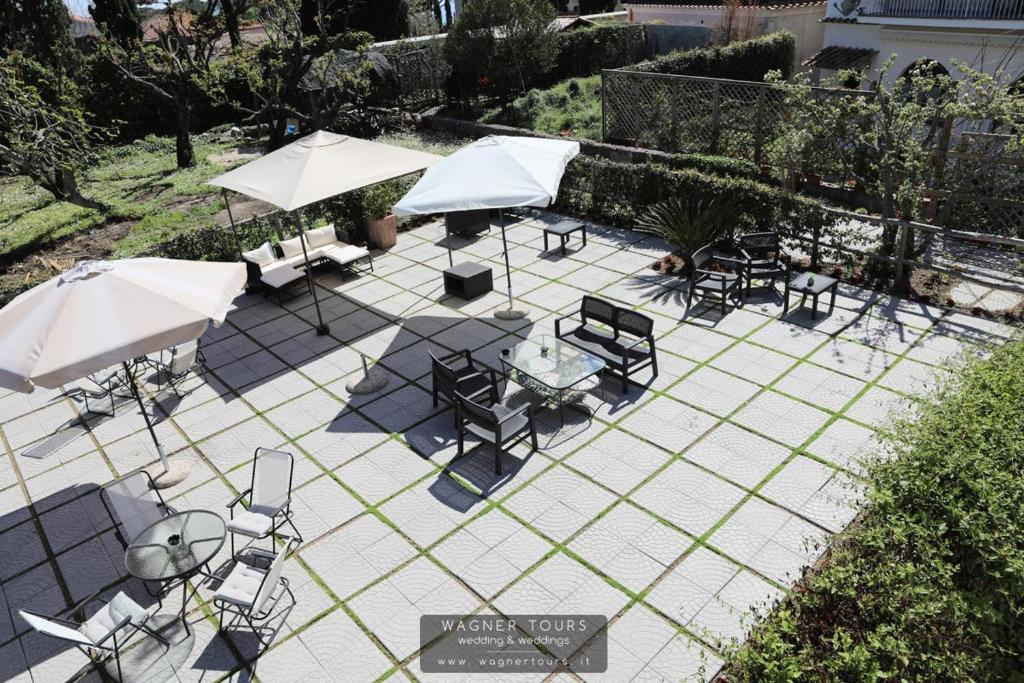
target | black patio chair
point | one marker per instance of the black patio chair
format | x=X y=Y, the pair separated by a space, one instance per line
x=716 y=276
x=456 y=373
x=765 y=259
x=496 y=423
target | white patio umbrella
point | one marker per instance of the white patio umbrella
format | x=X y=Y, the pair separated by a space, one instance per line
x=495 y=172
x=317 y=167
x=102 y=313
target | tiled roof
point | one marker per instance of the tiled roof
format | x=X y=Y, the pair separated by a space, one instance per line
x=839 y=57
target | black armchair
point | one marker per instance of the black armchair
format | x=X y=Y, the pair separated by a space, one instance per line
x=720 y=284
x=456 y=373
x=496 y=424
x=765 y=259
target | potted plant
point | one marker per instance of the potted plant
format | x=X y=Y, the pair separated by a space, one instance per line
x=381 y=223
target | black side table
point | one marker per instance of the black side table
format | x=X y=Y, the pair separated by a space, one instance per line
x=563 y=229
x=468 y=280
x=811 y=284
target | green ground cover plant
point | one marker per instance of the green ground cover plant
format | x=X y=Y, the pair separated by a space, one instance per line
x=138 y=183
x=929 y=586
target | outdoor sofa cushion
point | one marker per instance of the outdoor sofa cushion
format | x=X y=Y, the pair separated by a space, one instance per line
x=241 y=585
x=321 y=237
x=262 y=255
x=249 y=523
x=292 y=248
x=99 y=625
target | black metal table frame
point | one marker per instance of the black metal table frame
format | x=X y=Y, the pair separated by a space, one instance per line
x=182 y=577
x=563 y=236
x=552 y=391
x=814 y=293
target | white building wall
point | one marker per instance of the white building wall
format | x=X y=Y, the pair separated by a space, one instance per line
x=804 y=21
x=983 y=50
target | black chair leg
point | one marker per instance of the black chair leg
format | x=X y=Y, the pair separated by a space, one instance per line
x=497 y=457
x=533 y=435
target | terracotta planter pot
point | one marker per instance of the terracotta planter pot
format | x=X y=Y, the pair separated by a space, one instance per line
x=383 y=232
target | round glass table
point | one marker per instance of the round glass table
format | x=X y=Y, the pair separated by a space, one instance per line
x=176 y=548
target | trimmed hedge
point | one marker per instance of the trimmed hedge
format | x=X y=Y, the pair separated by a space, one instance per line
x=715 y=164
x=929 y=586
x=747 y=60
x=617 y=193
x=585 y=51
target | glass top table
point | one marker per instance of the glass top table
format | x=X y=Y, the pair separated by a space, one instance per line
x=176 y=546
x=551 y=367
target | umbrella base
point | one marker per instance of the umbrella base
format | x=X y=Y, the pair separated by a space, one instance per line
x=322 y=330
x=178 y=472
x=511 y=313
x=372 y=381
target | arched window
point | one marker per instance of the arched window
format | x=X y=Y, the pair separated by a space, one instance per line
x=925 y=68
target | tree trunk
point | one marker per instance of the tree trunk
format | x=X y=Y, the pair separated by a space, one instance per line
x=65 y=189
x=231 y=21
x=183 y=141
x=278 y=130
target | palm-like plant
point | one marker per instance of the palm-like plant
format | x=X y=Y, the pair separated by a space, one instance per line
x=690 y=222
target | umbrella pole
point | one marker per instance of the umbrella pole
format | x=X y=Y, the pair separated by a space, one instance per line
x=448 y=242
x=321 y=328
x=145 y=416
x=234 y=228
x=504 y=244
x=509 y=313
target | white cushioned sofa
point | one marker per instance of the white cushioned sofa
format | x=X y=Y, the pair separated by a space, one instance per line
x=276 y=270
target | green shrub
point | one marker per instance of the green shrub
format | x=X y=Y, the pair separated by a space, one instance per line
x=618 y=193
x=930 y=585
x=585 y=51
x=718 y=165
x=747 y=60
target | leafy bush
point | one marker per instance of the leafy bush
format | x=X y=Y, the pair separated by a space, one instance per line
x=690 y=221
x=585 y=51
x=930 y=585
x=619 y=193
x=747 y=60
x=500 y=47
x=712 y=163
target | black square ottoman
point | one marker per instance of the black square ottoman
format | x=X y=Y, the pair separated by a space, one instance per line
x=468 y=280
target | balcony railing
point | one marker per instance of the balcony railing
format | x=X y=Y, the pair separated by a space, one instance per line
x=944 y=9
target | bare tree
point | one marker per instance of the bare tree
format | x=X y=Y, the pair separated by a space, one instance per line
x=45 y=138
x=178 y=67
x=277 y=70
x=737 y=22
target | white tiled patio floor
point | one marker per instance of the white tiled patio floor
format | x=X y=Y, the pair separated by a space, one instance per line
x=677 y=510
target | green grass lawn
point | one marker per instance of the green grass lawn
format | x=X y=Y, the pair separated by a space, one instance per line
x=138 y=183
x=572 y=107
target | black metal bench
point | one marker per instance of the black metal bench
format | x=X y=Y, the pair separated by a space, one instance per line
x=624 y=339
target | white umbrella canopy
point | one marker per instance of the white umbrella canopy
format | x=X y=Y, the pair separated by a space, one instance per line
x=102 y=313
x=495 y=172
x=106 y=312
x=316 y=167
x=319 y=166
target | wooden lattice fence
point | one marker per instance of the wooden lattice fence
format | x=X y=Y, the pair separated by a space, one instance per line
x=987 y=181
x=421 y=76
x=693 y=113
